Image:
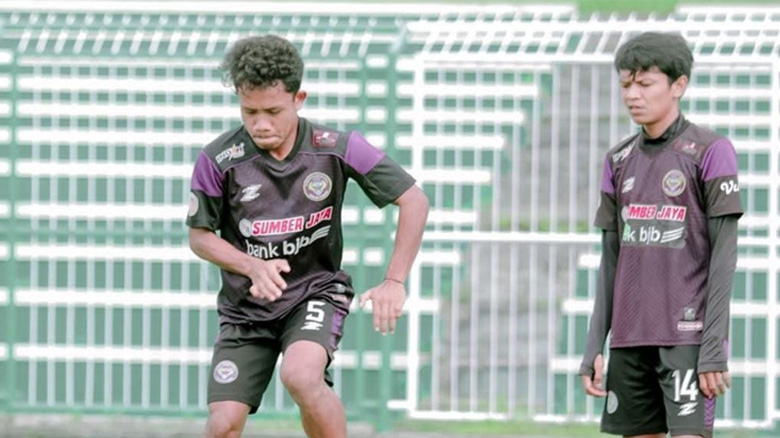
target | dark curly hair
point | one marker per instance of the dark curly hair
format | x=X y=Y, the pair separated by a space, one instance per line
x=667 y=51
x=261 y=61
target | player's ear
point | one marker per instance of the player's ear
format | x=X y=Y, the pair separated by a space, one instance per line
x=679 y=86
x=299 y=97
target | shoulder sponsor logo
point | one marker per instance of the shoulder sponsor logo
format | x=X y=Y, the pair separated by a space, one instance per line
x=226 y=372
x=625 y=152
x=250 y=193
x=673 y=183
x=729 y=187
x=324 y=139
x=628 y=185
x=317 y=186
x=194 y=205
x=689 y=148
x=645 y=212
x=231 y=153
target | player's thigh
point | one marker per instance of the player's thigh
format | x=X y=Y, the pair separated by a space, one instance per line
x=688 y=412
x=242 y=365
x=634 y=404
x=318 y=321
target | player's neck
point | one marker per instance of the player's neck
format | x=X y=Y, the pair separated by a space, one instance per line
x=657 y=129
x=284 y=151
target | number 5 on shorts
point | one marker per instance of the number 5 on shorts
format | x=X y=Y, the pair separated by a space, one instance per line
x=315 y=315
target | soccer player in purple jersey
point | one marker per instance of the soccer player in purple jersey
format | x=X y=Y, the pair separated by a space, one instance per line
x=273 y=188
x=669 y=210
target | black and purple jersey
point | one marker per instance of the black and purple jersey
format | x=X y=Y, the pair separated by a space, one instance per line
x=289 y=209
x=658 y=195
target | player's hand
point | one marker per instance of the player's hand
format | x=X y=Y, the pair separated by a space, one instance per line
x=387 y=303
x=714 y=383
x=267 y=281
x=595 y=385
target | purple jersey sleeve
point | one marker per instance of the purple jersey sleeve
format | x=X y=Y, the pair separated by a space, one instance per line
x=721 y=185
x=206 y=188
x=381 y=178
x=606 y=215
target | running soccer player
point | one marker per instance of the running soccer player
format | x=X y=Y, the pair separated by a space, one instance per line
x=669 y=210
x=274 y=189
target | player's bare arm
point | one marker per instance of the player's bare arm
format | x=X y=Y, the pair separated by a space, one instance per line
x=266 y=275
x=387 y=299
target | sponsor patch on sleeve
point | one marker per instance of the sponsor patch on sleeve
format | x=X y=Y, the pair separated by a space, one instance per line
x=324 y=139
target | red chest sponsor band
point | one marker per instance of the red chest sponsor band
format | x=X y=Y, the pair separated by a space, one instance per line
x=277 y=226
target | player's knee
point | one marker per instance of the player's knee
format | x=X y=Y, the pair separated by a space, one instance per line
x=222 y=427
x=224 y=422
x=300 y=380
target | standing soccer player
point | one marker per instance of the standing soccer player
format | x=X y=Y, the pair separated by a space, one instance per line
x=274 y=188
x=669 y=210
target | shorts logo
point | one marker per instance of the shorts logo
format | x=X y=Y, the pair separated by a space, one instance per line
x=628 y=185
x=233 y=152
x=194 y=205
x=225 y=372
x=612 y=402
x=673 y=183
x=317 y=186
x=250 y=193
x=729 y=187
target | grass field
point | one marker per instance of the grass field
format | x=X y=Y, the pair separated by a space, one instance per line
x=68 y=426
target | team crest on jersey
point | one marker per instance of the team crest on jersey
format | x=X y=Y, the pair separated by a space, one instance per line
x=231 y=153
x=673 y=183
x=317 y=186
x=325 y=139
x=226 y=372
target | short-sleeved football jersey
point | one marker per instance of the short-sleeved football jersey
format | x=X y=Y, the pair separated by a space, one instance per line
x=289 y=209
x=657 y=195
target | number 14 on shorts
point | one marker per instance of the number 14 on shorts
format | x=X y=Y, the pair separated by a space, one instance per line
x=685 y=386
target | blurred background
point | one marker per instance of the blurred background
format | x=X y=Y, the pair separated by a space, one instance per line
x=503 y=113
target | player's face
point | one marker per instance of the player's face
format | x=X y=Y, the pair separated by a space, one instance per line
x=270 y=116
x=650 y=99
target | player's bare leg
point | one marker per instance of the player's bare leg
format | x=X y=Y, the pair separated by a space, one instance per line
x=651 y=435
x=226 y=419
x=303 y=374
